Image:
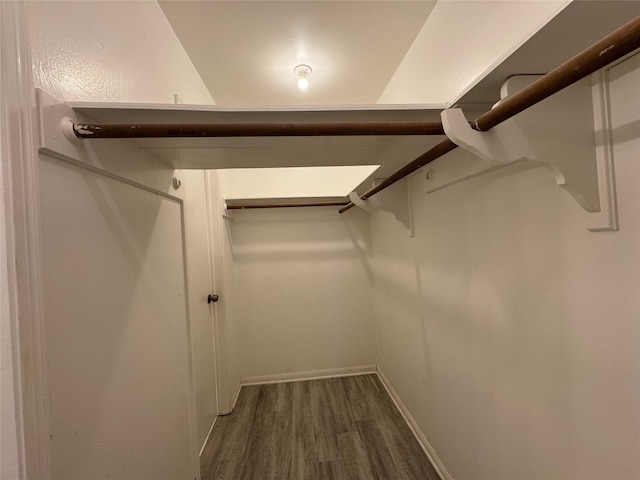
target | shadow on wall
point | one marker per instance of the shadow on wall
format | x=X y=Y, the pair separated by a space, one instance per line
x=303 y=290
x=295 y=234
x=361 y=243
x=486 y=305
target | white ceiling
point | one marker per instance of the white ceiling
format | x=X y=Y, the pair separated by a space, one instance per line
x=293 y=182
x=245 y=51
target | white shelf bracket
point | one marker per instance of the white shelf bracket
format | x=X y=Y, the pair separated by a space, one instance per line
x=114 y=157
x=566 y=133
x=365 y=205
x=396 y=201
x=55 y=125
x=486 y=145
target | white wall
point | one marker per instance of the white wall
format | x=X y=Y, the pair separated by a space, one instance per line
x=462 y=41
x=124 y=52
x=111 y=52
x=293 y=182
x=116 y=329
x=302 y=291
x=512 y=333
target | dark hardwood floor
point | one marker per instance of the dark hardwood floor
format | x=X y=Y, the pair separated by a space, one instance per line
x=331 y=429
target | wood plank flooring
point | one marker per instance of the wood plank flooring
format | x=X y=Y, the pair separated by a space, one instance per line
x=332 y=429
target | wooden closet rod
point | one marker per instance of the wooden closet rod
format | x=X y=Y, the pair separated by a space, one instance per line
x=616 y=45
x=202 y=130
x=329 y=203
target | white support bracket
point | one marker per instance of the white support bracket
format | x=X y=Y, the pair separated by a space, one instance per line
x=117 y=157
x=365 y=205
x=397 y=201
x=56 y=137
x=565 y=133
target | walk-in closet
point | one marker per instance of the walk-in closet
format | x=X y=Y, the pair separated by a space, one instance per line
x=320 y=240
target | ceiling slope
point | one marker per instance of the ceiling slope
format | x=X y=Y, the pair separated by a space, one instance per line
x=245 y=51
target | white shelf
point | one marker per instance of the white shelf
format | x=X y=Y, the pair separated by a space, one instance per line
x=391 y=152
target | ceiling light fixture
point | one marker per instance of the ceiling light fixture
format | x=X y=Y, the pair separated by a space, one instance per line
x=302 y=73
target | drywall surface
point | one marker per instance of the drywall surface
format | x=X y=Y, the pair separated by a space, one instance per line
x=117 y=337
x=510 y=332
x=302 y=290
x=293 y=182
x=460 y=43
x=101 y=51
x=122 y=400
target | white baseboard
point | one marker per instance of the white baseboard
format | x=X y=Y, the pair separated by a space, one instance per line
x=308 y=375
x=347 y=372
x=236 y=394
x=291 y=377
x=208 y=435
x=415 y=429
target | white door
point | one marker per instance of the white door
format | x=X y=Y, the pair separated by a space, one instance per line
x=117 y=330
